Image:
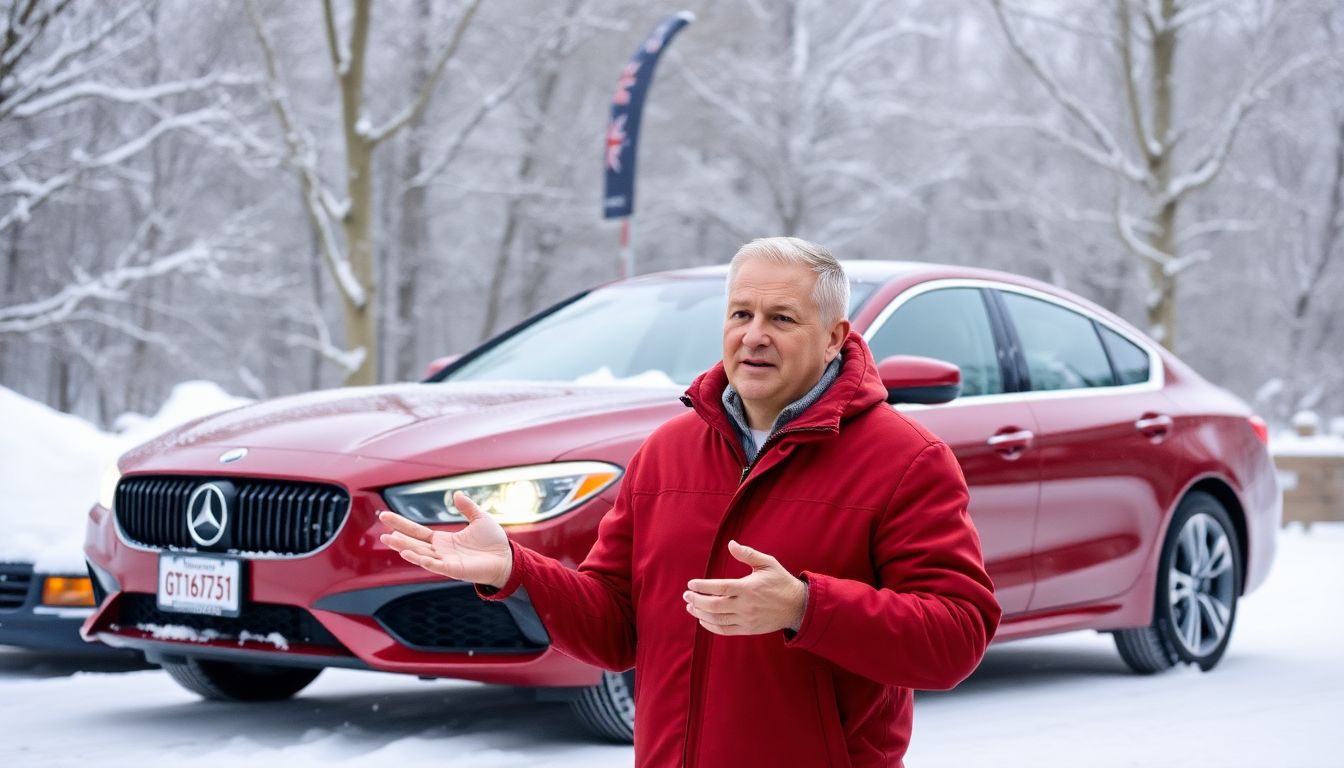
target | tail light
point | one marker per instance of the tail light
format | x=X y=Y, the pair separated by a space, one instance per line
x=1261 y=429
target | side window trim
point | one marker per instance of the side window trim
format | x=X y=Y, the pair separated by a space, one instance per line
x=1008 y=349
x=1106 y=349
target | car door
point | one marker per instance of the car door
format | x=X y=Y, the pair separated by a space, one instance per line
x=991 y=435
x=1103 y=444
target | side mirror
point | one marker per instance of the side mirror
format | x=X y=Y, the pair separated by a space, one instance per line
x=923 y=380
x=438 y=364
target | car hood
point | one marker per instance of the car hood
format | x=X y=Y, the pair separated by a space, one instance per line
x=456 y=426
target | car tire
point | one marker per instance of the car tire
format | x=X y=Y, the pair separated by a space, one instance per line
x=225 y=681
x=608 y=708
x=1198 y=582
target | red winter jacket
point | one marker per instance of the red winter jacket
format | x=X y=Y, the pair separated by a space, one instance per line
x=865 y=504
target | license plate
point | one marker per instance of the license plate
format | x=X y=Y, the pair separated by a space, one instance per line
x=195 y=584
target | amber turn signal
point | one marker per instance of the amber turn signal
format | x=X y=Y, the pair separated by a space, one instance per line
x=68 y=592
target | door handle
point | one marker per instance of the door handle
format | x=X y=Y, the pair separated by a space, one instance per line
x=1020 y=437
x=1153 y=424
x=1011 y=445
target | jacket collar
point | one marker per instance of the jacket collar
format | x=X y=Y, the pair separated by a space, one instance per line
x=737 y=414
x=857 y=388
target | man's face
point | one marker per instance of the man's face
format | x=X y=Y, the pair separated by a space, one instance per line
x=775 y=342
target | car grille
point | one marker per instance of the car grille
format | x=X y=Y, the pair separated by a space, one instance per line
x=453 y=620
x=276 y=516
x=294 y=624
x=14 y=581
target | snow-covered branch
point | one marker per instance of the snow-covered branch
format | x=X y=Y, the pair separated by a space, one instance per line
x=321 y=203
x=336 y=47
x=1215 y=227
x=1126 y=225
x=1211 y=162
x=124 y=94
x=32 y=193
x=416 y=107
x=1109 y=147
x=23 y=84
x=112 y=285
x=347 y=360
x=487 y=104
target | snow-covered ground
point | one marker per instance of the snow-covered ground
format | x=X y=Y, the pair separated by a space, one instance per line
x=1277 y=700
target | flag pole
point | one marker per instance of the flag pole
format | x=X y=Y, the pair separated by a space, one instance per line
x=627 y=252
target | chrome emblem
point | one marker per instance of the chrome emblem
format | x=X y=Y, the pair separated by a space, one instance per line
x=228 y=457
x=207 y=514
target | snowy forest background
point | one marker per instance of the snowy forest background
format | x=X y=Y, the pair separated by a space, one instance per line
x=288 y=196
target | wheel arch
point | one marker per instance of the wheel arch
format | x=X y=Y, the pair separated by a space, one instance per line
x=1223 y=492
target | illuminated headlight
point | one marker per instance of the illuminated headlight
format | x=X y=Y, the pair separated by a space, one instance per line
x=513 y=496
x=107 y=488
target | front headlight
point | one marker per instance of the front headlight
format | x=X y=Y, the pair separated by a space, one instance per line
x=513 y=496
x=107 y=487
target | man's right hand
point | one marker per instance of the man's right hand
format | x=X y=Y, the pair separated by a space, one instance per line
x=479 y=553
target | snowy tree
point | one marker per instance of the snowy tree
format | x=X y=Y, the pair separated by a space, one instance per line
x=349 y=206
x=1156 y=143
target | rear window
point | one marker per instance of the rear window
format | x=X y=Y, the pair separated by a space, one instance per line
x=1129 y=359
x=1062 y=347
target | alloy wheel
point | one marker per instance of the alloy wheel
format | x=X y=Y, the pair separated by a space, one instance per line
x=1201 y=584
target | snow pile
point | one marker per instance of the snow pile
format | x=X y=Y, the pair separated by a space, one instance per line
x=188 y=401
x=1292 y=444
x=51 y=465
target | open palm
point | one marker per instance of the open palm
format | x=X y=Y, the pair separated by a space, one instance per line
x=479 y=553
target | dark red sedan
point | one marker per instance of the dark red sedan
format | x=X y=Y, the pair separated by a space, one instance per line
x=1114 y=489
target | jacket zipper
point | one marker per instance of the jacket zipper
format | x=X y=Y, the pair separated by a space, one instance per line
x=700 y=647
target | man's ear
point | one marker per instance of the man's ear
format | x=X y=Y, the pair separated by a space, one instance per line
x=839 y=332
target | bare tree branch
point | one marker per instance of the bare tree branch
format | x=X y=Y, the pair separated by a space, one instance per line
x=413 y=110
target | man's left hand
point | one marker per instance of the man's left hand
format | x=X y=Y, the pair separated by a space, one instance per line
x=767 y=600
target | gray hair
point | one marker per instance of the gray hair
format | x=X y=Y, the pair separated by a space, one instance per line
x=830 y=294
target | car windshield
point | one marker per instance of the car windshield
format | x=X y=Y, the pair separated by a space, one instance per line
x=645 y=333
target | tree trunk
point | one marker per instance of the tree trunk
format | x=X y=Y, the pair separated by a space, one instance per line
x=413 y=221
x=1161 y=298
x=361 y=320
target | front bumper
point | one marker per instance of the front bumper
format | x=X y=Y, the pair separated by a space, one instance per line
x=352 y=603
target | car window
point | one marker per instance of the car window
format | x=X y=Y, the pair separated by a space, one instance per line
x=1062 y=348
x=950 y=324
x=663 y=332
x=1129 y=359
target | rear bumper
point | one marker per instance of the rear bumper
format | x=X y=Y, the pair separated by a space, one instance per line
x=1264 y=517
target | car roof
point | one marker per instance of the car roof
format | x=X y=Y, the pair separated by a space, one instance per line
x=863 y=270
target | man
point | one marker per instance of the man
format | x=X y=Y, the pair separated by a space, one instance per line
x=783 y=564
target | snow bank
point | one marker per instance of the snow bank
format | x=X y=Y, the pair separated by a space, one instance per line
x=51 y=464
x=1292 y=444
